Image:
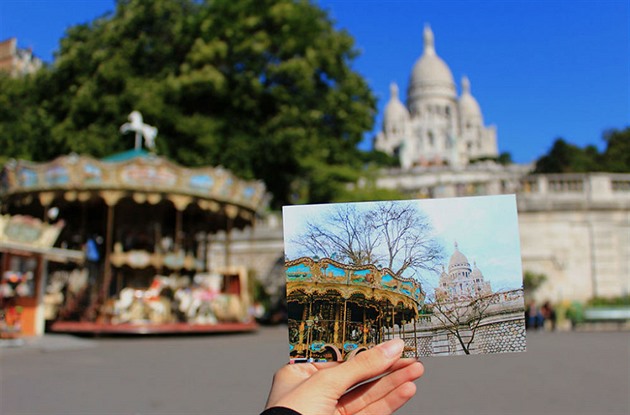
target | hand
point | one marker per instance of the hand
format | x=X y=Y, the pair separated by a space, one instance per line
x=320 y=388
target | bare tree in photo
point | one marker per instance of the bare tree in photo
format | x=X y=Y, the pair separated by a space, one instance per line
x=344 y=235
x=461 y=316
x=407 y=234
x=396 y=235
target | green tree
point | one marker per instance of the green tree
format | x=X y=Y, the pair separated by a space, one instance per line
x=504 y=159
x=262 y=87
x=567 y=158
x=616 y=157
x=22 y=121
x=531 y=281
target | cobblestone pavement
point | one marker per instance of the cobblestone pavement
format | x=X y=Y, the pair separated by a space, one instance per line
x=561 y=373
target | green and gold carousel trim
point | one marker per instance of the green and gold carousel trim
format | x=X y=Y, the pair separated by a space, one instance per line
x=147 y=177
x=320 y=275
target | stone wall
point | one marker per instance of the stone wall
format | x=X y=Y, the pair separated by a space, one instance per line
x=501 y=337
x=500 y=330
x=574 y=228
x=425 y=344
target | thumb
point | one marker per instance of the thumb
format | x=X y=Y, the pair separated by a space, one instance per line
x=364 y=366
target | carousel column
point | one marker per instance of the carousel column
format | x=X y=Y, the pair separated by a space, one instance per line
x=231 y=213
x=302 y=324
x=111 y=199
x=181 y=203
x=364 y=328
x=345 y=321
x=337 y=317
x=309 y=337
x=393 y=320
x=415 y=335
x=403 y=321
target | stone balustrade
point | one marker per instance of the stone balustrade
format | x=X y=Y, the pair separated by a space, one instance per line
x=574 y=191
x=534 y=191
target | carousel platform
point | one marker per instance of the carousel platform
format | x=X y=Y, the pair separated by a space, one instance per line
x=91 y=328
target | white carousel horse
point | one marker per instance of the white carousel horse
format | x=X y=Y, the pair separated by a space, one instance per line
x=141 y=129
x=123 y=304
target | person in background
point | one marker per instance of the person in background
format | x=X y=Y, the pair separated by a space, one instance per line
x=534 y=318
x=549 y=314
x=342 y=387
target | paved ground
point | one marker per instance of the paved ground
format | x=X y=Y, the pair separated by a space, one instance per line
x=561 y=373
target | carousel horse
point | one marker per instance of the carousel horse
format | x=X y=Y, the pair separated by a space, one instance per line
x=137 y=125
x=122 y=306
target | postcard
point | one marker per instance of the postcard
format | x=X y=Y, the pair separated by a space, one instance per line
x=444 y=275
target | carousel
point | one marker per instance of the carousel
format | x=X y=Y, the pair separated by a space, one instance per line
x=144 y=225
x=338 y=310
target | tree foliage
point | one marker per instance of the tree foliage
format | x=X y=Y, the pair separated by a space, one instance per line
x=262 y=87
x=564 y=157
x=532 y=280
x=395 y=235
x=504 y=159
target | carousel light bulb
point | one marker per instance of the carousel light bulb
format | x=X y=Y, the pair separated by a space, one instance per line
x=53 y=213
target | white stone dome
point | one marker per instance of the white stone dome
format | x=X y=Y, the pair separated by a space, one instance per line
x=468 y=105
x=458 y=260
x=430 y=76
x=395 y=110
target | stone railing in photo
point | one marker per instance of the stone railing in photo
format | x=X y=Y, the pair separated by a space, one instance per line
x=500 y=328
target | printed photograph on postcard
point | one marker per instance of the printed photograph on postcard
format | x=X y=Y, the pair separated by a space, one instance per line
x=444 y=275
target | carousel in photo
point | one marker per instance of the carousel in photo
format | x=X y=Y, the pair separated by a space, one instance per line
x=338 y=310
x=144 y=225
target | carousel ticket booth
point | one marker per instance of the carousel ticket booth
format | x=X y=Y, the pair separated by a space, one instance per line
x=145 y=225
x=26 y=249
x=338 y=310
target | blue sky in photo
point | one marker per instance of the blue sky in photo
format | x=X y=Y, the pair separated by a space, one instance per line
x=485 y=229
x=539 y=69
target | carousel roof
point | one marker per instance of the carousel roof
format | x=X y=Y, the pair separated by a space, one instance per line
x=127 y=155
x=327 y=275
x=134 y=171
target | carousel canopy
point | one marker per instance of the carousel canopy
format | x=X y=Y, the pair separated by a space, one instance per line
x=134 y=171
x=327 y=275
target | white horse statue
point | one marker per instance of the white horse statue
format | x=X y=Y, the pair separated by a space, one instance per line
x=141 y=129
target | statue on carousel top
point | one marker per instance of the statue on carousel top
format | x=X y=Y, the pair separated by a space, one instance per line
x=141 y=129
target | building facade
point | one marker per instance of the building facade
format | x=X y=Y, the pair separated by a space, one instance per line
x=17 y=61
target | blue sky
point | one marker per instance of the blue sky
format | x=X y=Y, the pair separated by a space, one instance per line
x=539 y=69
x=485 y=229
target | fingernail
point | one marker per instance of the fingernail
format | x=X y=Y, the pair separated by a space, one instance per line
x=392 y=348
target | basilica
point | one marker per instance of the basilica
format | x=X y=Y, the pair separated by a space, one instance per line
x=436 y=127
x=462 y=281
